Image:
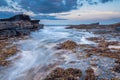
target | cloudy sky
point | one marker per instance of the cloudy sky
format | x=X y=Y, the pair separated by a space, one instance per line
x=64 y=11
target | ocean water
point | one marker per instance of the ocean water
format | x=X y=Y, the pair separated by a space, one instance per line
x=38 y=56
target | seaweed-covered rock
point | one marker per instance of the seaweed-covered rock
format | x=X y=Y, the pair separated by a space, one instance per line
x=6 y=51
x=67 y=74
x=90 y=74
x=68 y=45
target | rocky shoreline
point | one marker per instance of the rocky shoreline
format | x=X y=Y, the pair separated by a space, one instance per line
x=12 y=29
x=115 y=26
x=107 y=45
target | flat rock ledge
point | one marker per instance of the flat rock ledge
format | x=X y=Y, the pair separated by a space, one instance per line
x=18 y=25
x=111 y=27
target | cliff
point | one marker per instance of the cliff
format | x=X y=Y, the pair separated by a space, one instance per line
x=18 y=25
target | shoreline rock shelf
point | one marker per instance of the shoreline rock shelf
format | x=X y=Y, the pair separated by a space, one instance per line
x=115 y=26
x=17 y=26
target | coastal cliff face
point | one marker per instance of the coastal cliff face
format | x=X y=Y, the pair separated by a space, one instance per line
x=18 y=25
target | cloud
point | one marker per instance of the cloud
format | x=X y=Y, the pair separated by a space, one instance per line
x=50 y=9
x=48 y=6
x=56 y=6
x=7 y=14
x=3 y=3
x=105 y=1
x=48 y=17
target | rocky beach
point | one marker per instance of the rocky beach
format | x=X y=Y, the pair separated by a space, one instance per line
x=13 y=29
x=76 y=52
x=59 y=40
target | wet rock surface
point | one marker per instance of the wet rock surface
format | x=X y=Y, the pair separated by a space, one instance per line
x=79 y=57
x=68 y=45
x=6 y=50
x=71 y=74
x=64 y=74
x=90 y=74
x=107 y=44
x=95 y=61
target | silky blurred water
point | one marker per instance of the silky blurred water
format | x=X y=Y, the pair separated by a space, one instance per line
x=38 y=55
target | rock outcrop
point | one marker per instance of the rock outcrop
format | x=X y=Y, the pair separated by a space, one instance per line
x=115 y=26
x=18 y=25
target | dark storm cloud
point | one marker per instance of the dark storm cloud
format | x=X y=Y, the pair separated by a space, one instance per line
x=55 y=6
x=46 y=6
x=49 y=6
x=105 y=1
x=92 y=2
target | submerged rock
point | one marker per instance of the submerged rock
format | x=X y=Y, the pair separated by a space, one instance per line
x=18 y=25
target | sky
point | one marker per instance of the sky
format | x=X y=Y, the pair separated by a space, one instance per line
x=64 y=12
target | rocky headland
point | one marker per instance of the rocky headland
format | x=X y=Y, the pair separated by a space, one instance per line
x=18 y=25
